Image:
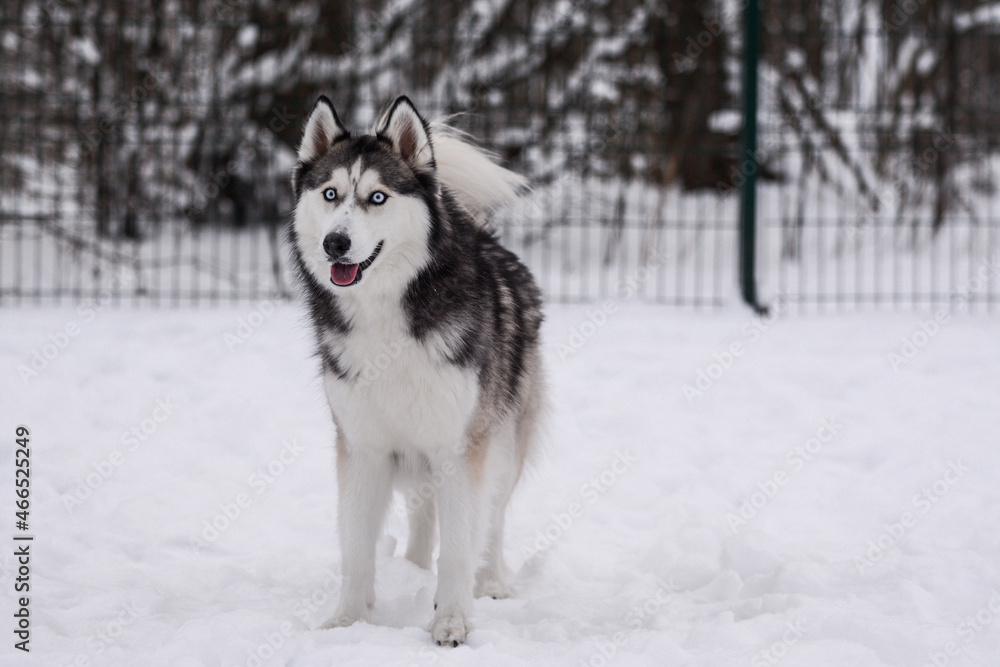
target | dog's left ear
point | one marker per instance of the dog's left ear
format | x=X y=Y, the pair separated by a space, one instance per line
x=409 y=135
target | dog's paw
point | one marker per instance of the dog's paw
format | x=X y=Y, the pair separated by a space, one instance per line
x=449 y=630
x=343 y=619
x=339 y=622
x=493 y=588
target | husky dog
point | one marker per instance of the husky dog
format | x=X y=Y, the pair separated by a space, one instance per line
x=428 y=334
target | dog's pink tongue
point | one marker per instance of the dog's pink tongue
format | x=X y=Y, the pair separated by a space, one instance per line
x=343 y=274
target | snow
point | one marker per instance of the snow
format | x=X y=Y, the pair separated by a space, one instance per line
x=247 y=36
x=982 y=17
x=87 y=50
x=828 y=498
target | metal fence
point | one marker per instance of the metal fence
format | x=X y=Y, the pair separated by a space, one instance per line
x=886 y=129
x=145 y=147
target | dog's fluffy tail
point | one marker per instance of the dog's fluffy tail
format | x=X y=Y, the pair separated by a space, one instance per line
x=471 y=173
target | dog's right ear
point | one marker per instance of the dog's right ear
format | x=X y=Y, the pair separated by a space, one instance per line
x=323 y=129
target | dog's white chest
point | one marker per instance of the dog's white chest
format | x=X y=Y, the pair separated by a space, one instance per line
x=406 y=396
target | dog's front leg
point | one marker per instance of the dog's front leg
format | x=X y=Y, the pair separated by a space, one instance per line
x=364 y=488
x=453 y=601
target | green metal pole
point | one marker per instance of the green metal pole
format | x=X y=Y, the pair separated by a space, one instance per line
x=748 y=162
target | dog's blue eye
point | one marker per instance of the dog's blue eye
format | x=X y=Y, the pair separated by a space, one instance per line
x=378 y=197
x=329 y=194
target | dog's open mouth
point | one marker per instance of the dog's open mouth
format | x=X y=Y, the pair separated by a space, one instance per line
x=344 y=275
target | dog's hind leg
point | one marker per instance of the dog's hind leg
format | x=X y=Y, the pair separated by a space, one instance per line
x=511 y=449
x=420 y=545
x=365 y=487
x=504 y=469
x=490 y=579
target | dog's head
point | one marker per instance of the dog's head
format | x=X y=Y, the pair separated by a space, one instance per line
x=362 y=213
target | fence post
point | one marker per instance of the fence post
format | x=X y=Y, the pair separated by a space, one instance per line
x=748 y=158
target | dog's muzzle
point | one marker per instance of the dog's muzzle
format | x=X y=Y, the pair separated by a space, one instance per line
x=345 y=275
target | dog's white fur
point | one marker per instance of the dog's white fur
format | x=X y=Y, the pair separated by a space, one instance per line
x=388 y=430
x=479 y=183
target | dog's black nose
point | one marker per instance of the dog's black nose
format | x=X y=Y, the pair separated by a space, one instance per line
x=336 y=245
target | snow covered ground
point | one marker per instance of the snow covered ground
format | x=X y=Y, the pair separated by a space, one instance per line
x=715 y=490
